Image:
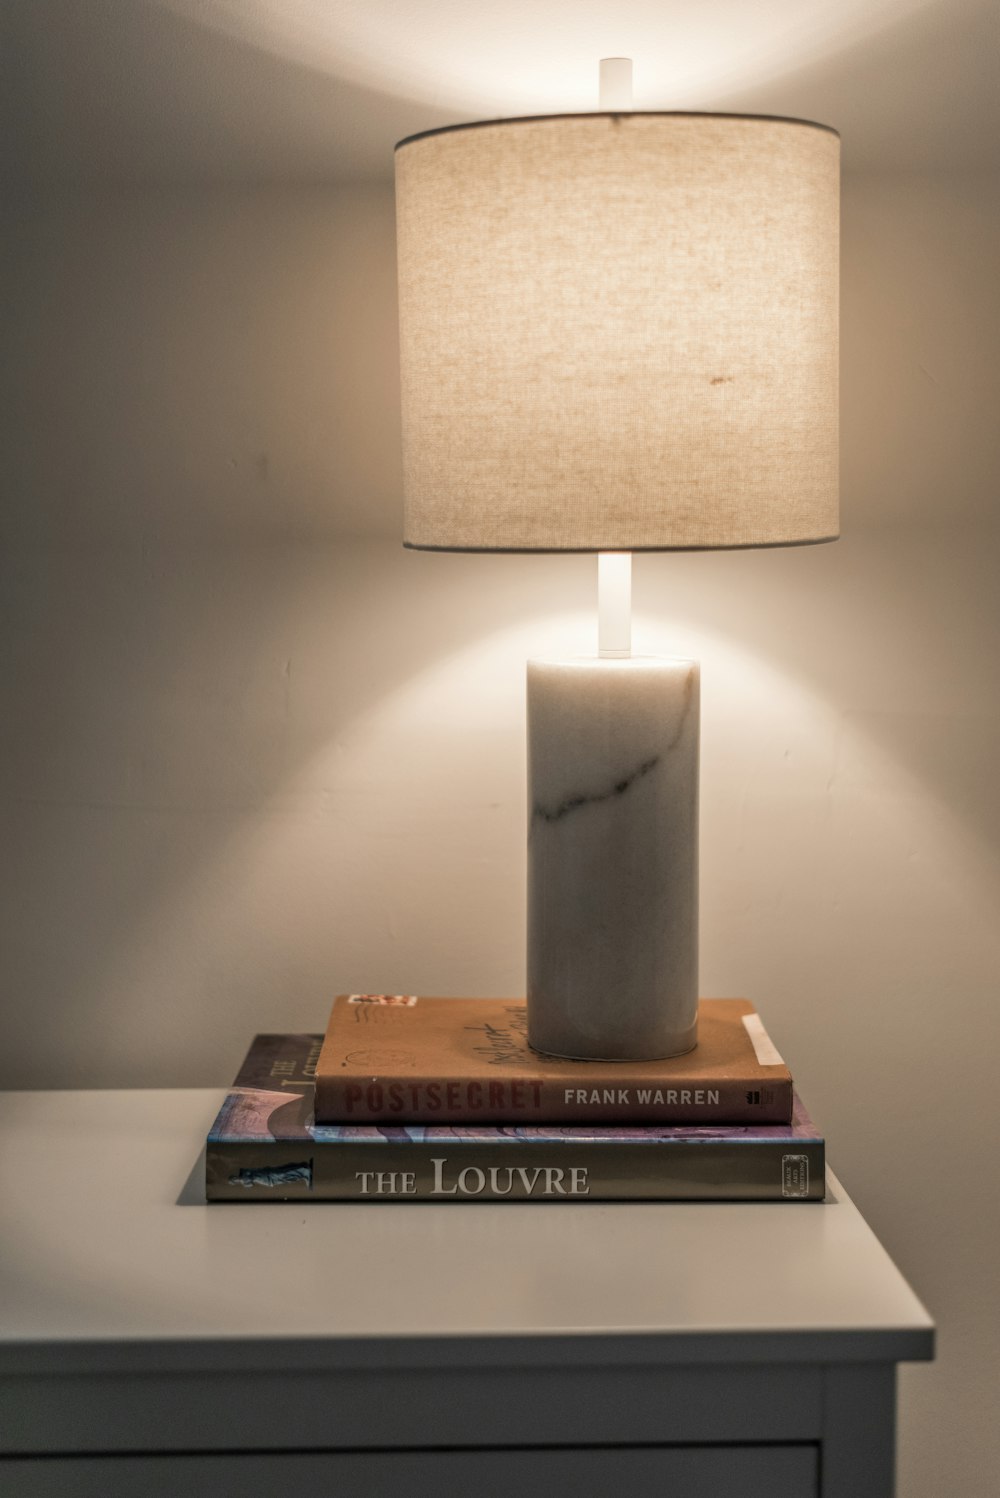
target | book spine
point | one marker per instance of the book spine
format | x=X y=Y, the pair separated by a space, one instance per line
x=511 y=1100
x=753 y=1170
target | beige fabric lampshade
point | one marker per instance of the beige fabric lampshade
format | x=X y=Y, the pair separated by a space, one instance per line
x=619 y=332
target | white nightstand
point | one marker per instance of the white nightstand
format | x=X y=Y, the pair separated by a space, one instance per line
x=156 y=1346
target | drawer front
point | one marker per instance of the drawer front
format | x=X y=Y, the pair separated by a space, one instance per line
x=592 y=1472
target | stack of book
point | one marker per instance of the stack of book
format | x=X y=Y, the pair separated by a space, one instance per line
x=414 y=1099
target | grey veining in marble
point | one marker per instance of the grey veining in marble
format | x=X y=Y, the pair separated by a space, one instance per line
x=613 y=857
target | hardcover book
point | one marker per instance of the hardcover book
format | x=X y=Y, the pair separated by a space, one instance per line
x=265 y=1145
x=395 y=1058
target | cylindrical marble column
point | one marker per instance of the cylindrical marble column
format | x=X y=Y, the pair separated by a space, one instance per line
x=613 y=857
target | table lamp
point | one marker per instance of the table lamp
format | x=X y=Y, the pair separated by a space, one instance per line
x=618 y=333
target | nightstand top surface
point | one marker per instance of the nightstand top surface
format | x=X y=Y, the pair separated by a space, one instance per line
x=110 y=1260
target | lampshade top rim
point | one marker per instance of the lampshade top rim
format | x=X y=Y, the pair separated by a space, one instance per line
x=593 y=114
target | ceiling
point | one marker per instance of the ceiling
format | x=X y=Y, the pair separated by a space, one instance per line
x=162 y=92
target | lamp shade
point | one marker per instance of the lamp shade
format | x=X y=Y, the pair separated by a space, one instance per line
x=619 y=332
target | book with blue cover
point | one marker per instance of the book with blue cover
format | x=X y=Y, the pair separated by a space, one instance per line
x=265 y=1145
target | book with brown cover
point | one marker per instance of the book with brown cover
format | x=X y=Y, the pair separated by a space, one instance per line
x=394 y=1058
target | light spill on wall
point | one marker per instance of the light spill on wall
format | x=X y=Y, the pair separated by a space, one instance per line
x=541 y=55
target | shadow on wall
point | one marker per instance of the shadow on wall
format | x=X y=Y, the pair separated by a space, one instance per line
x=202 y=365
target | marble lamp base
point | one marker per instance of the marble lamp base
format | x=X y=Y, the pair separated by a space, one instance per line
x=613 y=857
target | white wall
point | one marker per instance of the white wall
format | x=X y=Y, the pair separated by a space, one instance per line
x=253 y=754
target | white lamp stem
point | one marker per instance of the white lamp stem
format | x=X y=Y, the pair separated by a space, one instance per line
x=616 y=83
x=614 y=568
x=614 y=603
